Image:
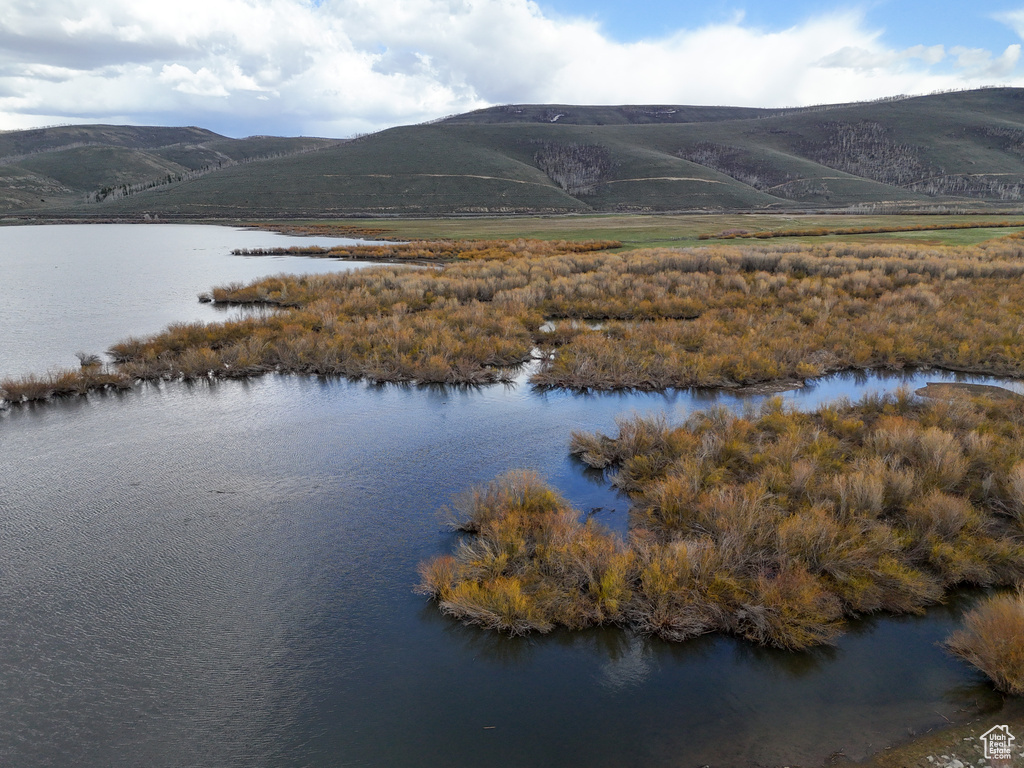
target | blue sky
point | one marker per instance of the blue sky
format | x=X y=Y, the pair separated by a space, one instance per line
x=343 y=67
x=906 y=22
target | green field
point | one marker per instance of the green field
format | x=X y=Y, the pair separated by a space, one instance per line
x=645 y=231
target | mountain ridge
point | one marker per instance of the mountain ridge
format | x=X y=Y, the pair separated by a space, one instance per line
x=944 y=149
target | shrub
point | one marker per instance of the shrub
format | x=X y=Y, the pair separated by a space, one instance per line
x=774 y=526
x=992 y=639
x=499 y=604
x=646 y=319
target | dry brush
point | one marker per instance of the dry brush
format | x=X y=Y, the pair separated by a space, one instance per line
x=720 y=316
x=774 y=525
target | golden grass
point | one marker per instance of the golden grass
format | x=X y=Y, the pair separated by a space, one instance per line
x=774 y=525
x=68 y=383
x=437 y=250
x=992 y=639
x=531 y=564
x=721 y=316
x=333 y=229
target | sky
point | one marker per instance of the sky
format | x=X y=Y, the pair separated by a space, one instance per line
x=340 y=68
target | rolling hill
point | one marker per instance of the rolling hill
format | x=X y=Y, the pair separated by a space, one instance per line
x=70 y=166
x=953 y=148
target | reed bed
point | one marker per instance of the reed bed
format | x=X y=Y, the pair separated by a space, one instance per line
x=437 y=250
x=774 y=525
x=65 y=383
x=721 y=316
x=333 y=229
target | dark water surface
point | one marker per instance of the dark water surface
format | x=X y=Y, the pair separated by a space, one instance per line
x=82 y=287
x=221 y=575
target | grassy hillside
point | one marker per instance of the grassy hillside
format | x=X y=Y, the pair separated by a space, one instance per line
x=16 y=143
x=955 y=150
x=57 y=169
x=420 y=169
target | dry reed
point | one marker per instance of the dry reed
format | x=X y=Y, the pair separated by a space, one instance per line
x=774 y=525
x=718 y=316
x=992 y=639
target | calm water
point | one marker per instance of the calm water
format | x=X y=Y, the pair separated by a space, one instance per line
x=221 y=575
x=81 y=287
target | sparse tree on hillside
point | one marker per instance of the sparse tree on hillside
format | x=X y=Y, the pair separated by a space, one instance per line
x=576 y=168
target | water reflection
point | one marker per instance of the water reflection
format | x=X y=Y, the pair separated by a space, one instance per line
x=229 y=566
x=84 y=287
x=628 y=662
x=794 y=665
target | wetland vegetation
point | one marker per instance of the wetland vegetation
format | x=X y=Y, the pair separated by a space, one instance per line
x=651 y=319
x=436 y=250
x=992 y=639
x=774 y=525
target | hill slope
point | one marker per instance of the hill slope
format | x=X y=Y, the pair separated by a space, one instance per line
x=57 y=168
x=965 y=146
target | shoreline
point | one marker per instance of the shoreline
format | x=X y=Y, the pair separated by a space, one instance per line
x=947 y=746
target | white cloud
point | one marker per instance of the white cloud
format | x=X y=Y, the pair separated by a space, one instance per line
x=200 y=83
x=1012 y=19
x=879 y=58
x=977 y=62
x=345 y=66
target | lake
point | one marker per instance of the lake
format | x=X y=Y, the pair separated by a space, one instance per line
x=71 y=288
x=221 y=574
